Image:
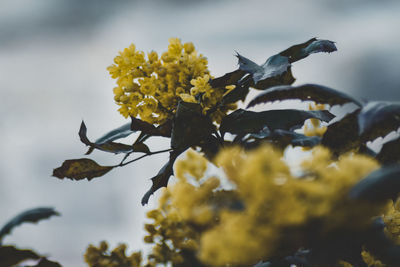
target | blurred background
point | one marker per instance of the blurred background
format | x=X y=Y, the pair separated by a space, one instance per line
x=53 y=59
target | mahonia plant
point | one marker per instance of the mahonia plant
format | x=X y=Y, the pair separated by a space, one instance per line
x=339 y=208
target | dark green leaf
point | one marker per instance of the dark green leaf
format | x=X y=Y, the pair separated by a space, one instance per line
x=342 y=136
x=162 y=177
x=105 y=143
x=366 y=124
x=119 y=148
x=32 y=215
x=390 y=152
x=120 y=132
x=277 y=69
x=380 y=185
x=210 y=147
x=78 y=169
x=378 y=119
x=238 y=93
x=150 y=129
x=317 y=93
x=229 y=78
x=297 y=139
x=314 y=45
x=190 y=126
x=242 y=122
x=46 y=263
x=248 y=66
x=281 y=138
x=10 y=256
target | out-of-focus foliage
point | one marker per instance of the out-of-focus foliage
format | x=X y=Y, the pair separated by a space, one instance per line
x=339 y=208
x=12 y=256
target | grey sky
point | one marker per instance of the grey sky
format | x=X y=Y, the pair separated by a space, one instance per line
x=53 y=59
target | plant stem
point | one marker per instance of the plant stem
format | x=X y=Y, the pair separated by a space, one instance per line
x=136 y=159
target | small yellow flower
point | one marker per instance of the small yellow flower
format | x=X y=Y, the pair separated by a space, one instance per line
x=189 y=48
x=188 y=98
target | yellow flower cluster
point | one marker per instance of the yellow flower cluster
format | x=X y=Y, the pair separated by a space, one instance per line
x=370 y=260
x=183 y=212
x=102 y=257
x=151 y=88
x=274 y=201
x=392 y=221
x=191 y=225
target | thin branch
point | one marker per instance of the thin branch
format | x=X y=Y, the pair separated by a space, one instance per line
x=143 y=156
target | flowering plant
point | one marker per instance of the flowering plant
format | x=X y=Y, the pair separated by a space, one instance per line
x=339 y=208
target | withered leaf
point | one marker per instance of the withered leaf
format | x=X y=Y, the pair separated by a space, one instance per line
x=78 y=169
x=32 y=216
x=317 y=93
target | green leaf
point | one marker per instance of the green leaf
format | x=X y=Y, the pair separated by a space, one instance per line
x=379 y=185
x=150 y=129
x=390 y=152
x=162 y=177
x=314 y=45
x=296 y=139
x=227 y=79
x=280 y=138
x=210 y=147
x=32 y=216
x=118 y=133
x=317 y=93
x=378 y=119
x=46 y=263
x=105 y=143
x=10 y=255
x=275 y=71
x=243 y=122
x=78 y=169
x=190 y=126
x=238 y=93
x=366 y=124
x=342 y=136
